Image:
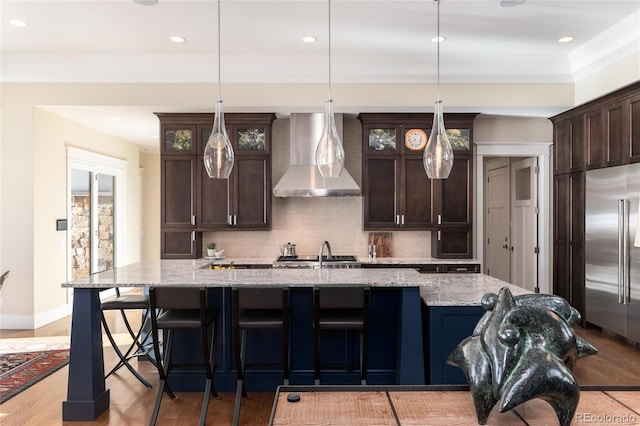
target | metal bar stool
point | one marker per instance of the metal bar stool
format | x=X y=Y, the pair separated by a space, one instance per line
x=256 y=309
x=177 y=308
x=341 y=308
x=123 y=303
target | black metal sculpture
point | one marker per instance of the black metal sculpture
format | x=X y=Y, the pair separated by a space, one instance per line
x=523 y=347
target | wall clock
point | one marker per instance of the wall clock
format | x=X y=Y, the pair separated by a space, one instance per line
x=415 y=139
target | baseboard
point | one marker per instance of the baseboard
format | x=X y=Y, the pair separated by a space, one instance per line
x=31 y=322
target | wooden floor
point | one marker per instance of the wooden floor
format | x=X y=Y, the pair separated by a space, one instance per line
x=131 y=403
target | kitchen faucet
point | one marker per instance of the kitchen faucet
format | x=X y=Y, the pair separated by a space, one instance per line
x=324 y=243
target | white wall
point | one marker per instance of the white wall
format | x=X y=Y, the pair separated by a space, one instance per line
x=150 y=194
x=34 y=195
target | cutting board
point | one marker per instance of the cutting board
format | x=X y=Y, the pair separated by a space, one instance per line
x=382 y=241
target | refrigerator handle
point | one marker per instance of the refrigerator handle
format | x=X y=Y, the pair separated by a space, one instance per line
x=621 y=238
x=626 y=264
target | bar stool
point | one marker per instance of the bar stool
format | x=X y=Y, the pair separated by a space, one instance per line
x=258 y=309
x=123 y=303
x=341 y=308
x=178 y=308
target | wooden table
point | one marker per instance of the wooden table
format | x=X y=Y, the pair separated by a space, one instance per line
x=439 y=405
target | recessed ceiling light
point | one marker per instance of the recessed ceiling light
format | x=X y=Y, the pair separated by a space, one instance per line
x=18 y=23
x=177 y=39
x=309 y=39
x=566 y=39
x=511 y=3
x=438 y=39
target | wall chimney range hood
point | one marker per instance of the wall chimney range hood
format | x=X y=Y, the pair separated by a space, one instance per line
x=302 y=178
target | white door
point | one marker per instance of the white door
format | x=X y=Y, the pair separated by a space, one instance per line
x=497 y=243
x=524 y=205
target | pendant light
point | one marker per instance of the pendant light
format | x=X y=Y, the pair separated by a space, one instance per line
x=218 y=154
x=329 y=152
x=438 y=155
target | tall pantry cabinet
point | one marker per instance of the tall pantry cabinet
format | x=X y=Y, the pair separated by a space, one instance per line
x=602 y=133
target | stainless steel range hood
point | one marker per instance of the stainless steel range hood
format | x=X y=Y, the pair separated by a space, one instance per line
x=302 y=178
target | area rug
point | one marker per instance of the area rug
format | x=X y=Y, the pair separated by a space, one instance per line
x=19 y=371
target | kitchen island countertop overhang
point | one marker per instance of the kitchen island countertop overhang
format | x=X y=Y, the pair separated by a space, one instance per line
x=452 y=289
x=401 y=290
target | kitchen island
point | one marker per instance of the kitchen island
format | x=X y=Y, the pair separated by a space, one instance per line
x=396 y=319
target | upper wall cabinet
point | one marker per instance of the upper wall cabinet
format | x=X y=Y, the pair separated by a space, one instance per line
x=191 y=201
x=602 y=133
x=398 y=195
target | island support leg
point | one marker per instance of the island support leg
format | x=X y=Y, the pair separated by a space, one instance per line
x=87 y=397
x=410 y=361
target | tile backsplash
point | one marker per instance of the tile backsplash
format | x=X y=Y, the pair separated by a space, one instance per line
x=306 y=222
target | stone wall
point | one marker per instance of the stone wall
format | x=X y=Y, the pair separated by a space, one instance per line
x=81 y=238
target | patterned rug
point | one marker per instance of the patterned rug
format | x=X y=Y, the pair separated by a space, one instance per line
x=19 y=371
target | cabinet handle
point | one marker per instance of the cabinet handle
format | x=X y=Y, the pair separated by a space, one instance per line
x=439 y=219
x=230 y=220
x=439 y=235
x=397 y=219
x=402 y=220
x=193 y=235
x=193 y=219
x=461 y=269
x=235 y=219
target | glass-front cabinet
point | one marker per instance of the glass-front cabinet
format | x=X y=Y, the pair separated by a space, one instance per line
x=191 y=201
x=398 y=195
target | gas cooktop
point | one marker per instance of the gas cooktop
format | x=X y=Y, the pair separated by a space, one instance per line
x=310 y=261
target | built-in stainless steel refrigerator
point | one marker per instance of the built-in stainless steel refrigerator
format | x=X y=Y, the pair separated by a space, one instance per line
x=612 y=261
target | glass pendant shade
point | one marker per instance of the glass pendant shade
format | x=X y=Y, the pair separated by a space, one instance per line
x=329 y=152
x=438 y=155
x=218 y=154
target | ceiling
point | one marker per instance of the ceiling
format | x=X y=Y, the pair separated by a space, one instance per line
x=377 y=41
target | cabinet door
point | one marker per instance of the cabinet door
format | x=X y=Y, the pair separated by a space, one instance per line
x=214 y=208
x=251 y=193
x=178 y=183
x=634 y=128
x=577 y=132
x=452 y=243
x=180 y=244
x=561 y=146
x=453 y=195
x=380 y=185
x=576 y=242
x=178 y=139
x=561 y=235
x=595 y=140
x=568 y=240
x=617 y=150
x=416 y=200
x=243 y=200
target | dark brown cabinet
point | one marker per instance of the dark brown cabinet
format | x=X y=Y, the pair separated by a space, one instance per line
x=398 y=195
x=454 y=217
x=568 y=240
x=397 y=190
x=244 y=200
x=191 y=202
x=602 y=133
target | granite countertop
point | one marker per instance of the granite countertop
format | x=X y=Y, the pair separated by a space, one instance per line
x=462 y=289
x=435 y=289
